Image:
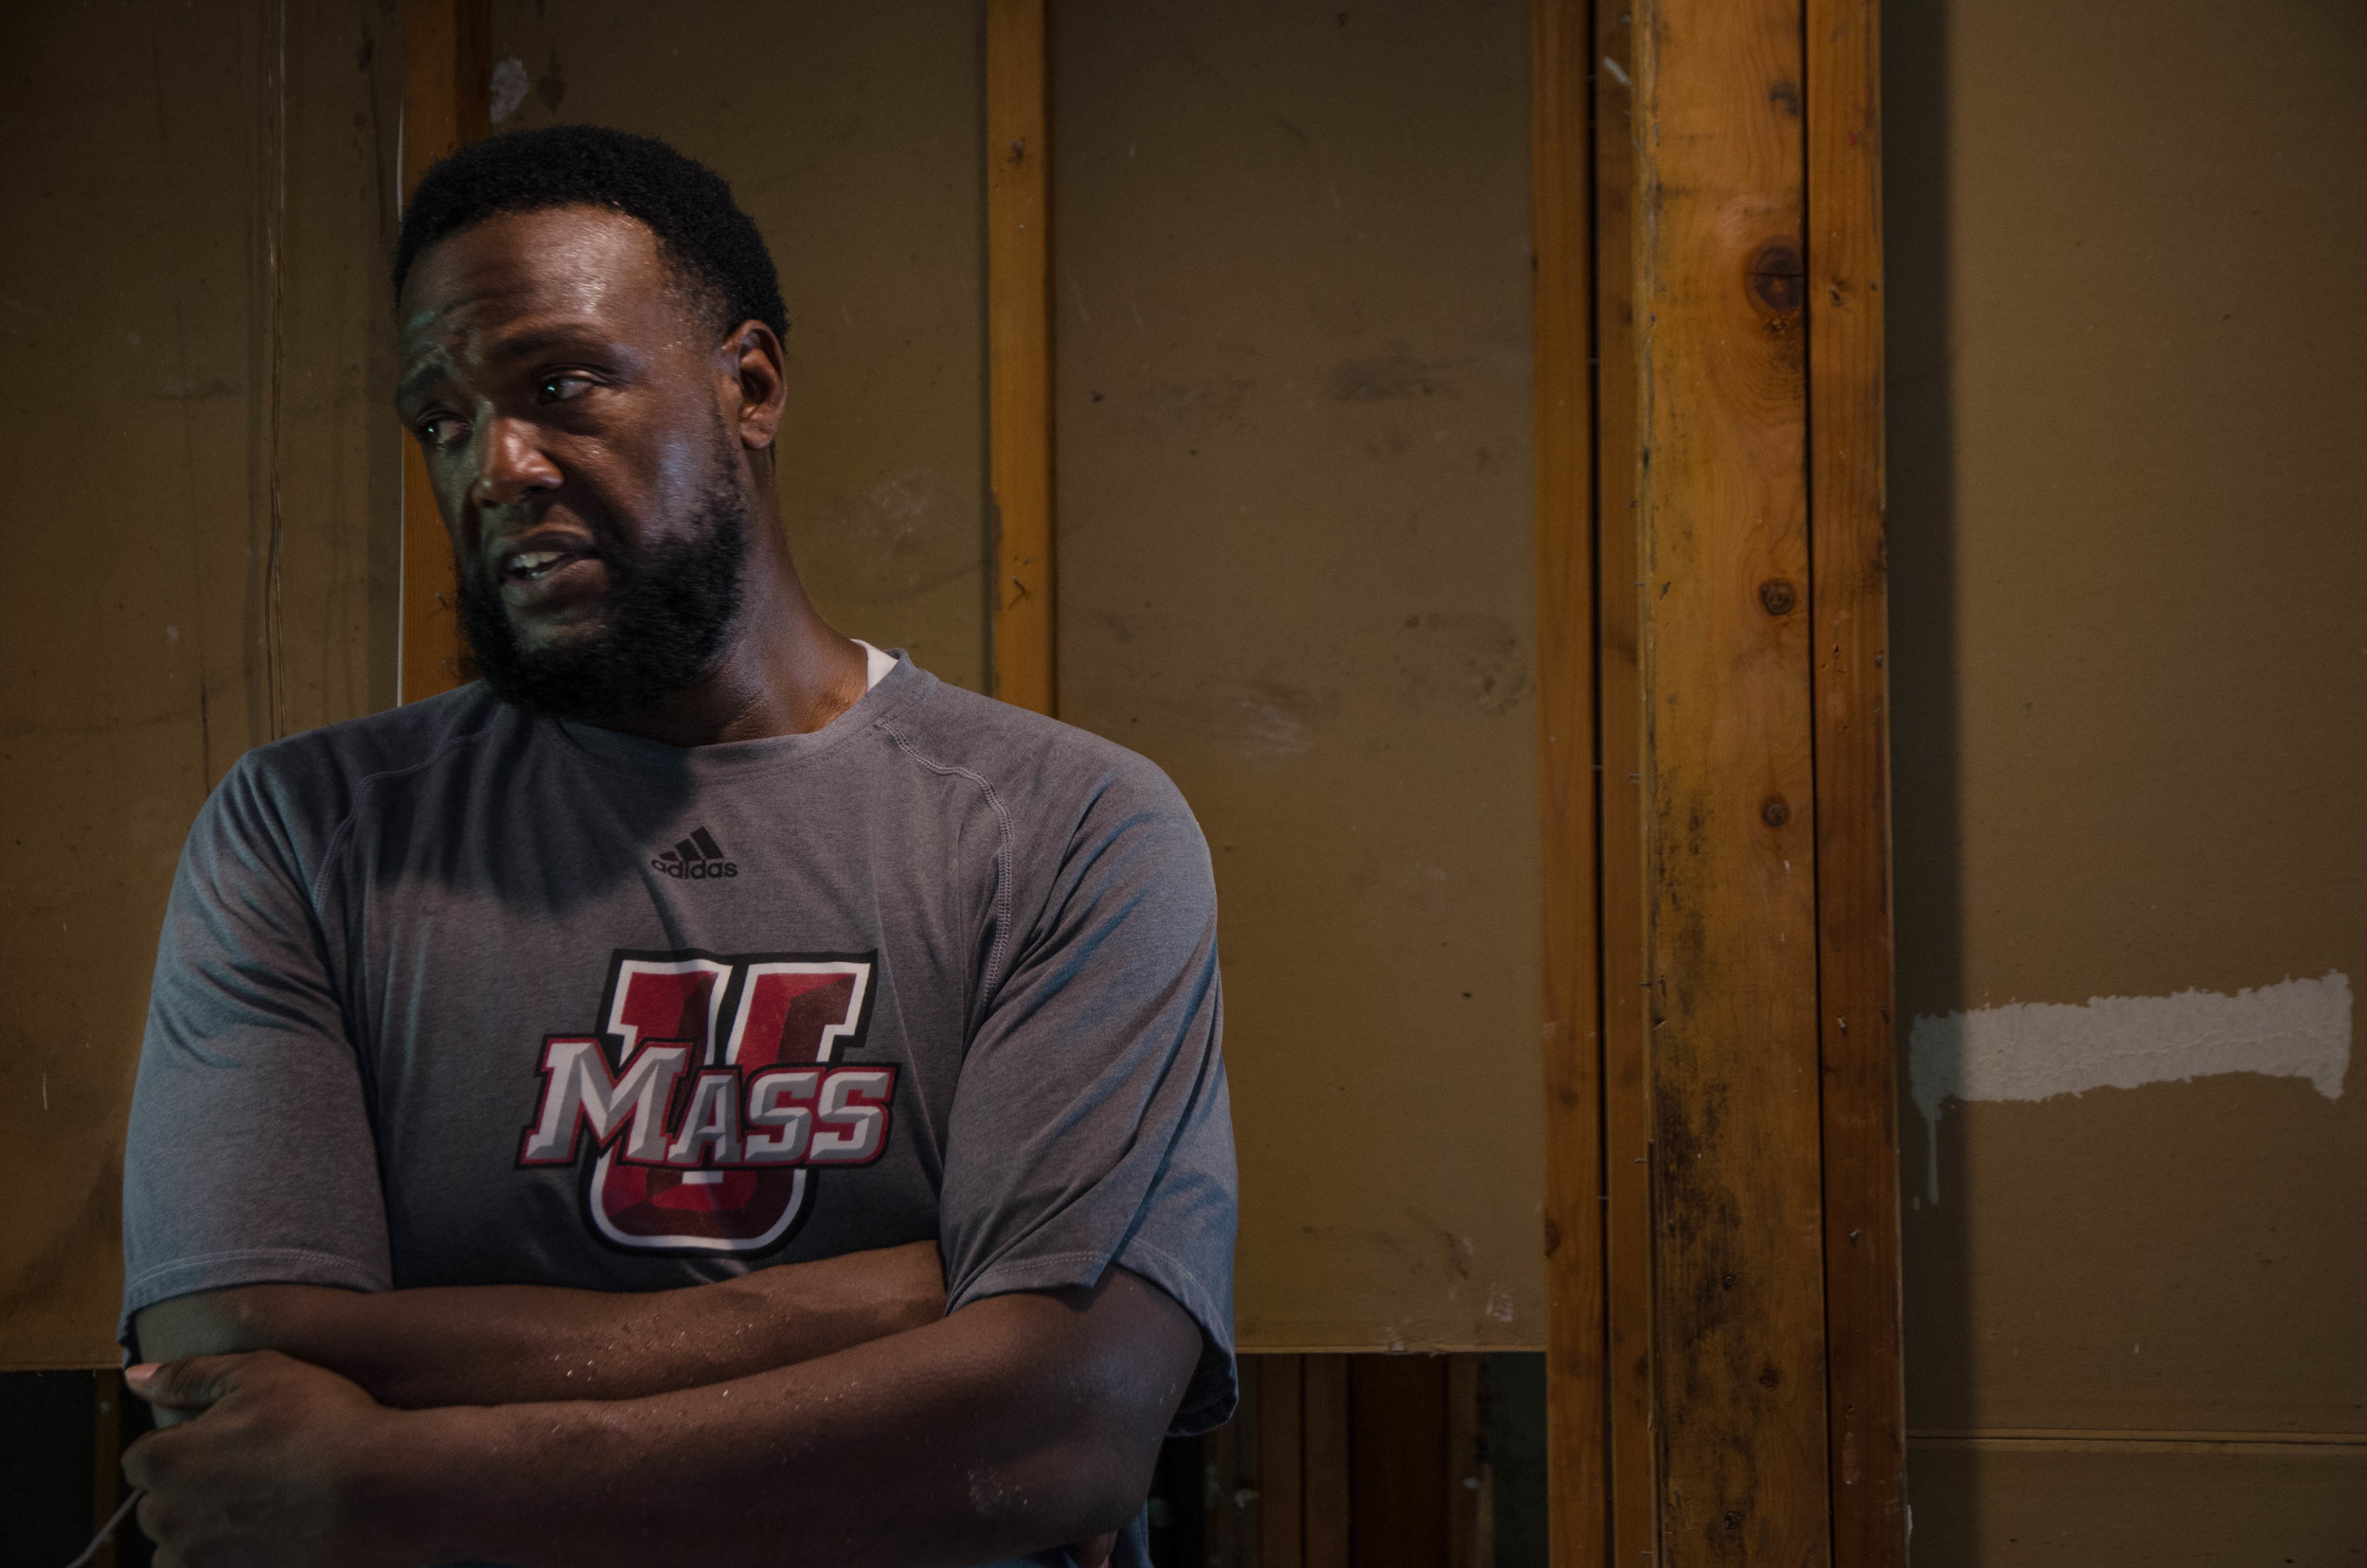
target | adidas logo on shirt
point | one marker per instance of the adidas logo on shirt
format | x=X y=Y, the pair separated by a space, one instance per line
x=695 y=859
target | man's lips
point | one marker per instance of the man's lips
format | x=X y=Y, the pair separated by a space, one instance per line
x=526 y=565
x=546 y=573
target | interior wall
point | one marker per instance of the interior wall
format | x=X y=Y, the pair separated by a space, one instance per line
x=1294 y=486
x=2127 y=378
x=1292 y=317
x=850 y=130
x=200 y=478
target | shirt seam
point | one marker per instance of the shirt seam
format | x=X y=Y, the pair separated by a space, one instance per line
x=1030 y=1263
x=999 y=953
x=891 y=706
x=360 y=792
x=241 y=1254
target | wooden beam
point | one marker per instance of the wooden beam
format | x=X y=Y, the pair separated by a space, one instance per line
x=1470 y=1478
x=106 y=1492
x=1323 y=1472
x=1018 y=353
x=1728 y=784
x=1236 y=1482
x=1281 y=1444
x=1850 y=618
x=1403 y=1469
x=447 y=76
x=1560 y=221
x=1634 y=1488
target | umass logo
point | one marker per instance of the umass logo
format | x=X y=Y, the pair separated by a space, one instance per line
x=695 y=859
x=717 y=1091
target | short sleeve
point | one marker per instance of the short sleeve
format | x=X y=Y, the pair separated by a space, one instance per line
x=249 y=1157
x=1091 y=1126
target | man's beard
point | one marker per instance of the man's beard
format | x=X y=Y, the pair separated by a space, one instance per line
x=670 y=608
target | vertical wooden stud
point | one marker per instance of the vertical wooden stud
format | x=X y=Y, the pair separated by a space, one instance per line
x=1401 y=1468
x=1324 y=1462
x=447 y=87
x=1281 y=1433
x=1848 y=604
x=1728 y=785
x=1236 y=1485
x=1019 y=352
x=106 y=1491
x=1470 y=1479
x=1632 y=1504
x=1566 y=687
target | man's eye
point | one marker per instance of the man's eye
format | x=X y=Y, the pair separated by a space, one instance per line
x=560 y=388
x=441 y=430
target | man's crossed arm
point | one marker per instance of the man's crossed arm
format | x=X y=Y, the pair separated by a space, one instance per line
x=820 y=1413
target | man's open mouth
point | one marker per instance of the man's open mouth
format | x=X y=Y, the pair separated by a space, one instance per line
x=529 y=565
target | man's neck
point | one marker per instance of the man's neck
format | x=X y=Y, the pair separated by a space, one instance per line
x=784 y=671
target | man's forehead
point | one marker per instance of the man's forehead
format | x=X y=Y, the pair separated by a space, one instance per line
x=580 y=264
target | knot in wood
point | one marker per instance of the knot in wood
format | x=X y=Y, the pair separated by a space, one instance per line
x=1778 y=596
x=1778 y=280
x=1775 y=813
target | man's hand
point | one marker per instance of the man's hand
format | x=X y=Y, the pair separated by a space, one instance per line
x=269 y=1462
x=1022 y=1421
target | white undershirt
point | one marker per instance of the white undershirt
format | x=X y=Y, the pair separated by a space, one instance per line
x=876 y=664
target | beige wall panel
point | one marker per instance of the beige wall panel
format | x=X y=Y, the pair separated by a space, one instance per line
x=154 y=623
x=2128 y=402
x=849 y=130
x=1292 y=312
x=2053 y=1505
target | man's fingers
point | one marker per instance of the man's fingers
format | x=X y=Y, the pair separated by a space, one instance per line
x=144 y=1464
x=190 y=1383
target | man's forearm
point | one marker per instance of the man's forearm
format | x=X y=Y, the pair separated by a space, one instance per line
x=1022 y=1422
x=517 y=1343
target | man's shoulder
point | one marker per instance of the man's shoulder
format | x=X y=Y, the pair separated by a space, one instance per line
x=326 y=768
x=1076 y=807
x=1032 y=763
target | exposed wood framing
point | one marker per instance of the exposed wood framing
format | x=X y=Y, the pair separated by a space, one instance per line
x=447 y=73
x=1019 y=352
x=1470 y=1478
x=1235 y=1459
x=1401 y=1466
x=1560 y=55
x=1850 y=620
x=106 y=1489
x=1281 y=1440
x=1352 y=1461
x=1633 y=1507
x=1323 y=1455
x=1728 y=785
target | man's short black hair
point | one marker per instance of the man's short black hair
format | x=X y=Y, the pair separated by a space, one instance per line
x=699 y=229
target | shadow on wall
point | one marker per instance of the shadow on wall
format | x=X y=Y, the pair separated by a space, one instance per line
x=1926 y=811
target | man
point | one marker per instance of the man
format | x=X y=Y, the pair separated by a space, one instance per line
x=708 y=1093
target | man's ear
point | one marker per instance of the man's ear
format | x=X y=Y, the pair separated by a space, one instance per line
x=752 y=359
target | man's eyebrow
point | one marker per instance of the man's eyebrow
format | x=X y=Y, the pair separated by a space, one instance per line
x=419 y=380
x=526 y=345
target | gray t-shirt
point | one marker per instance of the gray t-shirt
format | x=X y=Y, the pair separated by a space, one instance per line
x=458 y=995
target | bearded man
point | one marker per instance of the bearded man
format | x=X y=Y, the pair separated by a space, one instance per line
x=706 y=1092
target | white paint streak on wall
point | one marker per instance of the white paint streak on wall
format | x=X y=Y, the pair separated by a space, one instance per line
x=509 y=88
x=2035 y=1051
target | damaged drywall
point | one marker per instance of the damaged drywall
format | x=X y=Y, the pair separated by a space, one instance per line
x=2035 y=1051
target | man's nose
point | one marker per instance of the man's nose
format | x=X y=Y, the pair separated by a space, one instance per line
x=515 y=465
